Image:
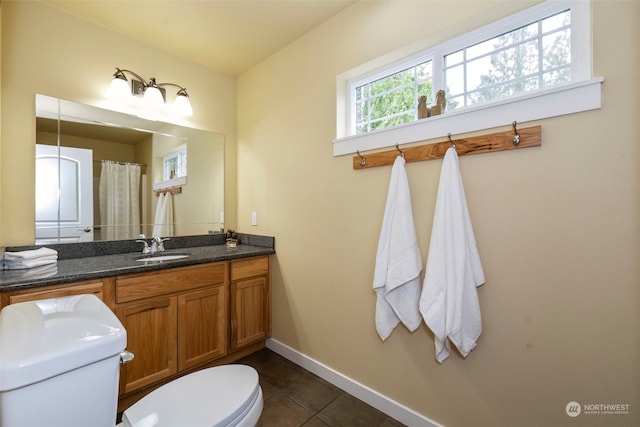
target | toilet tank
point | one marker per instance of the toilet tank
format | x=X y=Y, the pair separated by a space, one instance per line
x=60 y=363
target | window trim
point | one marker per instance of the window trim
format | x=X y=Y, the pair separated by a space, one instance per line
x=582 y=94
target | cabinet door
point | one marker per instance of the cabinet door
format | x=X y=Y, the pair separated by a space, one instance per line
x=202 y=326
x=151 y=337
x=249 y=315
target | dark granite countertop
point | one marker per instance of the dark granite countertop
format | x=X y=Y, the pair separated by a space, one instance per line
x=95 y=260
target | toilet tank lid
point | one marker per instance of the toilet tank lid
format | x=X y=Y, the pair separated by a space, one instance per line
x=41 y=339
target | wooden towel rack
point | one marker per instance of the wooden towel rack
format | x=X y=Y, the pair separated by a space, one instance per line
x=170 y=190
x=499 y=141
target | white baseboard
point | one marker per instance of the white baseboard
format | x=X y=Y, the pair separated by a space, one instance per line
x=382 y=403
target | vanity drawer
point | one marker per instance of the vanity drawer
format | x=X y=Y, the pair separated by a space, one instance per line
x=249 y=268
x=146 y=285
x=94 y=288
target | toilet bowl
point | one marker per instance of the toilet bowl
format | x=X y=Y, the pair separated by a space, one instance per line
x=60 y=365
x=195 y=400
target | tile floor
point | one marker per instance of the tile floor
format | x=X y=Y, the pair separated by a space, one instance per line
x=295 y=397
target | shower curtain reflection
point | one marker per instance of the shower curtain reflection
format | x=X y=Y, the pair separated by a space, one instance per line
x=119 y=200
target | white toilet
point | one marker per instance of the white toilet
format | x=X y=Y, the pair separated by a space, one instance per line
x=60 y=366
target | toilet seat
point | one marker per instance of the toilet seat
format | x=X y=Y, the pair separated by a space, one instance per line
x=228 y=395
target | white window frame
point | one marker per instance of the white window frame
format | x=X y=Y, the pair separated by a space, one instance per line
x=180 y=156
x=583 y=93
x=181 y=178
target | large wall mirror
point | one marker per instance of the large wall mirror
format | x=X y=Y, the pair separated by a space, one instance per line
x=104 y=175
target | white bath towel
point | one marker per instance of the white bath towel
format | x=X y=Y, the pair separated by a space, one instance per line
x=37 y=272
x=163 y=223
x=167 y=221
x=31 y=254
x=159 y=217
x=398 y=263
x=30 y=258
x=449 y=300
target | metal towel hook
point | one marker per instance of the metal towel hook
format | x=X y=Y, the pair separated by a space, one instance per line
x=516 y=137
x=398 y=148
x=363 y=161
x=453 y=144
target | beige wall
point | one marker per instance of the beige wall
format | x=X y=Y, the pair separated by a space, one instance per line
x=557 y=229
x=53 y=53
x=557 y=226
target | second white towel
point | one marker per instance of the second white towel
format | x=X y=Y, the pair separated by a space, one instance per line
x=398 y=263
x=449 y=301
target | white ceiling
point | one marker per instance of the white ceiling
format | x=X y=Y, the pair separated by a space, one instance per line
x=229 y=36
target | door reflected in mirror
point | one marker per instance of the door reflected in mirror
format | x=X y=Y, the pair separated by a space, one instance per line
x=104 y=175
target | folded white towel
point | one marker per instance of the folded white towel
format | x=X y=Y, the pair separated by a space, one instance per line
x=449 y=301
x=398 y=262
x=21 y=265
x=36 y=272
x=29 y=259
x=31 y=254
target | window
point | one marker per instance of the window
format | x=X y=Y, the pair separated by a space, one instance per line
x=392 y=100
x=542 y=50
x=532 y=57
x=174 y=165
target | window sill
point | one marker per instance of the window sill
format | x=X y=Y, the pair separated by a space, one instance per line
x=176 y=182
x=558 y=101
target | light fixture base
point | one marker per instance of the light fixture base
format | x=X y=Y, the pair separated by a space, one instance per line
x=137 y=88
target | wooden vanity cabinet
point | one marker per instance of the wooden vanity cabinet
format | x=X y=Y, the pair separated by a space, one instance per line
x=175 y=319
x=250 y=301
x=179 y=319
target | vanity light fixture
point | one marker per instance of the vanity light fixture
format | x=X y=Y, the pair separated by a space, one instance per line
x=153 y=93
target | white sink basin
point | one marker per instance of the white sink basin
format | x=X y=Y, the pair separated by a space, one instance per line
x=158 y=258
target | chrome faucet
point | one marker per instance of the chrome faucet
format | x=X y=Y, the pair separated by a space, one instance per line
x=157 y=244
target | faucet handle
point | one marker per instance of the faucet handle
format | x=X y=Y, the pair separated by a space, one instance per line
x=161 y=243
x=146 y=249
